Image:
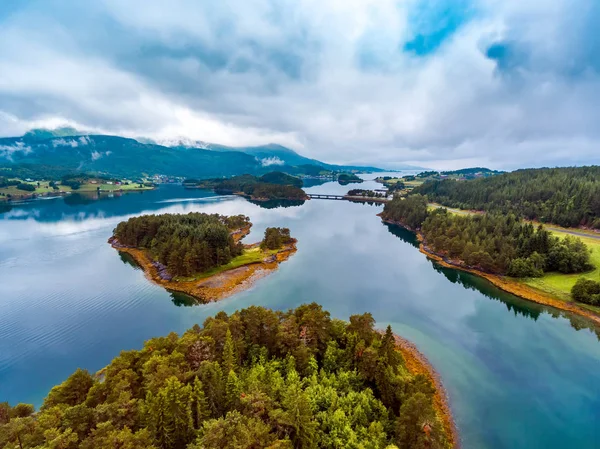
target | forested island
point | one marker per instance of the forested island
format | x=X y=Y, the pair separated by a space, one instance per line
x=498 y=247
x=348 y=178
x=201 y=254
x=270 y=186
x=256 y=379
x=568 y=196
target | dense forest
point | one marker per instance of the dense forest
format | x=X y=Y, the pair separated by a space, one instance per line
x=347 y=178
x=495 y=243
x=271 y=186
x=277 y=177
x=185 y=244
x=565 y=196
x=410 y=212
x=255 y=379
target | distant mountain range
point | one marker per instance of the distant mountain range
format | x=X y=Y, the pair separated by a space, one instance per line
x=67 y=150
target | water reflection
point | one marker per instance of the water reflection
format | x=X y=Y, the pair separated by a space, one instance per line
x=183 y=300
x=4 y=207
x=513 y=303
x=274 y=204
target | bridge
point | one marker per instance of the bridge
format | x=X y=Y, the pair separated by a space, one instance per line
x=327 y=196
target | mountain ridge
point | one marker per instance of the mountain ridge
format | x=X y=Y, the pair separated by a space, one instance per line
x=68 y=149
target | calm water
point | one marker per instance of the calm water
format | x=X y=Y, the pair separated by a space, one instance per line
x=518 y=375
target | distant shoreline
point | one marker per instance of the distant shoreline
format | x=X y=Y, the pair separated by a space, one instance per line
x=34 y=196
x=217 y=286
x=502 y=282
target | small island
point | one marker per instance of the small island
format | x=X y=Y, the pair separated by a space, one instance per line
x=200 y=254
x=270 y=186
x=348 y=178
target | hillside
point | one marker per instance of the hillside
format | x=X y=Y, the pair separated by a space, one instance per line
x=65 y=150
x=568 y=196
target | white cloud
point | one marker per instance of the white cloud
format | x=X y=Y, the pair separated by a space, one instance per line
x=73 y=143
x=269 y=161
x=7 y=151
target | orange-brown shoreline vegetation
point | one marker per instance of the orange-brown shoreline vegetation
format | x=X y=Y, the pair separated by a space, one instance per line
x=220 y=285
x=504 y=283
x=417 y=363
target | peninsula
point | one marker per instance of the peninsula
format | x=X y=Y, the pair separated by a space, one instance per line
x=506 y=251
x=199 y=254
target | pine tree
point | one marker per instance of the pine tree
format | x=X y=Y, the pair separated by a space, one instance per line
x=229 y=358
x=233 y=390
x=200 y=410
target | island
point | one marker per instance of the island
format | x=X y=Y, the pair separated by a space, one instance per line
x=348 y=178
x=257 y=378
x=507 y=251
x=201 y=254
x=270 y=186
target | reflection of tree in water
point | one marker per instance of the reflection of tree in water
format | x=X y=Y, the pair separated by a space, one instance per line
x=274 y=204
x=183 y=300
x=513 y=303
x=367 y=203
x=312 y=182
x=472 y=282
x=4 y=207
x=128 y=259
x=403 y=234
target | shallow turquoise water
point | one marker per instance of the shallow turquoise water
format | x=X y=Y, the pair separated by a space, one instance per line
x=518 y=375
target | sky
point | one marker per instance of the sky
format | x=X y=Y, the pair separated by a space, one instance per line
x=437 y=83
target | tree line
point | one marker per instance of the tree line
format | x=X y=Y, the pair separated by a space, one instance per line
x=184 y=243
x=568 y=196
x=495 y=243
x=255 y=379
x=273 y=185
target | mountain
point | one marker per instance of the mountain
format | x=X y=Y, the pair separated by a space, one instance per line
x=66 y=150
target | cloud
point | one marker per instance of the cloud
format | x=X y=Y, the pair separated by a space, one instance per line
x=268 y=161
x=73 y=143
x=6 y=151
x=438 y=83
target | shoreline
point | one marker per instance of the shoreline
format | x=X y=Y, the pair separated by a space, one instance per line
x=503 y=283
x=34 y=196
x=219 y=285
x=417 y=363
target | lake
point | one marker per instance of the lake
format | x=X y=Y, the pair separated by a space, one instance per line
x=518 y=375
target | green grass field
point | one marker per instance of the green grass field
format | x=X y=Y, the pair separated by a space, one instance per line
x=559 y=285
x=250 y=256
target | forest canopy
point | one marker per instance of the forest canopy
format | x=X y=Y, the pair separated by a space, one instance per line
x=184 y=243
x=492 y=242
x=274 y=185
x=256 y=379
x=568 y=196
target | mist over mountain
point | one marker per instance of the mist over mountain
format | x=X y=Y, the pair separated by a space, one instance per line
x=67 y=150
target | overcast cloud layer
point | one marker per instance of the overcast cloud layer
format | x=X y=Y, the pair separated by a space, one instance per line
x=444 y=84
